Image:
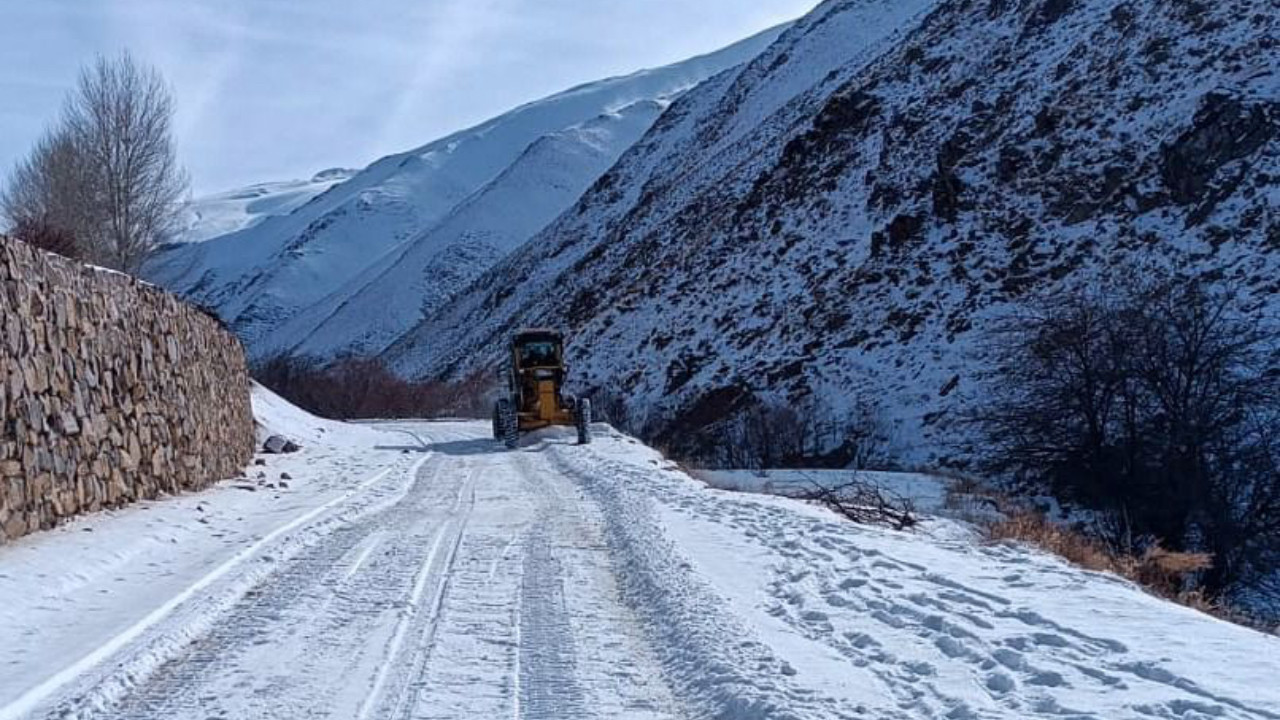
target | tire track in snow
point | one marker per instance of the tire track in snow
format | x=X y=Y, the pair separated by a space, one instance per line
x=91 y=683
x=409 y=693
x=548 y=687
x=315 y=618
x=579 y=638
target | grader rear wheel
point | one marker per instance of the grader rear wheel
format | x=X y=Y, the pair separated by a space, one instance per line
x=582 y=419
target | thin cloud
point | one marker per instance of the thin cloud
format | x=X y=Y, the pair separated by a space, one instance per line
x=274 y=90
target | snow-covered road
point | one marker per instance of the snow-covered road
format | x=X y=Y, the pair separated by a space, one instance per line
x=419 y=571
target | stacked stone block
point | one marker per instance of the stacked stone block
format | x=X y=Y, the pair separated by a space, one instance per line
x=111 y=391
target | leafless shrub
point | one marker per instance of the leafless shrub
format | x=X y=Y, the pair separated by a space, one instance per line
x=611 y=407
x=47 y=237
x=808 y=434
x=970 y=499
x=106 y=172
x=1153 y=403
x=47 y=190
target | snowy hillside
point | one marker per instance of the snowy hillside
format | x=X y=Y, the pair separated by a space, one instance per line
x=835 y=219
x=322 y=253
x=383 y=303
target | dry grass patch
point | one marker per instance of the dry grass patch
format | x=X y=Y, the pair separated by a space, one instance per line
x=1162 y=572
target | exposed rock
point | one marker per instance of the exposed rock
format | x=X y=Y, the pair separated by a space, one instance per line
x=278 y=445
x=1225 y=129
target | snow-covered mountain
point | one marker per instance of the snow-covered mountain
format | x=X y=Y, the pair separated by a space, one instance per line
x=383 y=303
x=833 y=220
x=488 y=188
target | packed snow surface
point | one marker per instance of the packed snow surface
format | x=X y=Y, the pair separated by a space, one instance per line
x=419 y=570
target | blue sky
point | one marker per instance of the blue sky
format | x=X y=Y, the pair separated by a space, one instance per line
x=279 y=89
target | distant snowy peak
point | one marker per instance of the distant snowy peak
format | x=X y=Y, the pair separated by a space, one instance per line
x=305 y=263
x=224 y=213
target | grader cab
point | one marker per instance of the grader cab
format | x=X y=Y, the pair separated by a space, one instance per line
x=535 y=398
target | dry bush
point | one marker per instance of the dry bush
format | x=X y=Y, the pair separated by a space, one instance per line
x=1163 y=572
x=1166 y=572
x=1036 y=529
x=364 y=388
x=48 y=237
x=609 y=405
x=968 y=498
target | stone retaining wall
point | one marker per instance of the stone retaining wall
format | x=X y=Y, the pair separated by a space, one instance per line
x=111 y=391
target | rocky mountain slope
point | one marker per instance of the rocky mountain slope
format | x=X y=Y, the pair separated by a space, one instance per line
x=487 y=189
x=832 y=223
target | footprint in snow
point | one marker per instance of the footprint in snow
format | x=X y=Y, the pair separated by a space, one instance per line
x=1047 y=678
x=977 y=621
x=1000 y=683
x=1011 y=659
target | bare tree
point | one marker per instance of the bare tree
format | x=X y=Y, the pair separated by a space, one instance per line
x=1155 y=402
x=107 y=172
x=44 y=195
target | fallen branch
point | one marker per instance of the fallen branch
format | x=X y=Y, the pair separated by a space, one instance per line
x=864 y=503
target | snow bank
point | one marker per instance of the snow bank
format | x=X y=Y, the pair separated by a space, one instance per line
x=276 y=416
x=788 y=610
x=72 y=596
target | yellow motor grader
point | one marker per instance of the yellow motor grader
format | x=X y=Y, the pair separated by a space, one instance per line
x=535 y=397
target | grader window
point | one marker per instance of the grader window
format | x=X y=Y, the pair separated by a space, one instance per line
x=538 y=354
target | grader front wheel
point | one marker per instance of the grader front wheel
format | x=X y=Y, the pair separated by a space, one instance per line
x=506 y=424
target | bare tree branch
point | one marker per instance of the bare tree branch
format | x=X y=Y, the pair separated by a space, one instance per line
x=864 y=502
